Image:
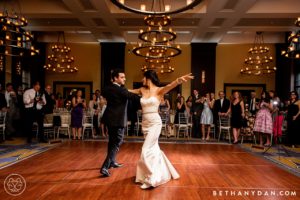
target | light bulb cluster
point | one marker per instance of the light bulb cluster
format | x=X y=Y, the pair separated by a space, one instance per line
x=293 y=51
x=258 y=62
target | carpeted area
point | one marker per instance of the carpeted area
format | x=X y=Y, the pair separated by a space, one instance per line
x=286 y=157
x=14 y=151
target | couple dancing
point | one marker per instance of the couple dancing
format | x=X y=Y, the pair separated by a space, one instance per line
x=153 y=168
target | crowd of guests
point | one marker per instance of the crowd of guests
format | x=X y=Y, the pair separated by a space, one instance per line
x=24 y=107
x=268 y=111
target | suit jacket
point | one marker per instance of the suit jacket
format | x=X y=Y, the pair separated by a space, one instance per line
x=250 y=108
x=224 y=108
x=2 y=101
x=197 y=107
x=115 y=113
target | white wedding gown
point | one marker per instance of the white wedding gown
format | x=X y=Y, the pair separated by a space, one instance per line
x=153 y=168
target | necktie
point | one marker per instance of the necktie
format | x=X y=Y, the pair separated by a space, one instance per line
x=35 y=101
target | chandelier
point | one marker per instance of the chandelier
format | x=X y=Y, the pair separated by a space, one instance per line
x=156 y=7
x=157 y=44
x=293 y=51
x=60 y=60
x=15 y=41
x=258 y=61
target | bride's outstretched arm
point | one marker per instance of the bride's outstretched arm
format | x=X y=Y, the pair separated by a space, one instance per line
x=135 y=91
x=173 y=84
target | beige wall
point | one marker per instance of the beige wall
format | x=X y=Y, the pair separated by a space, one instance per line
x=229 y=60
x=181 y=63
x=87 y=60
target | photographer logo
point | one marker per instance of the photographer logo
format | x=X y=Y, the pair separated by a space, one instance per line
x=14 y=184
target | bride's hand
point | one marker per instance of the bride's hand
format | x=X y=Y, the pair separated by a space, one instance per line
x=185 y=78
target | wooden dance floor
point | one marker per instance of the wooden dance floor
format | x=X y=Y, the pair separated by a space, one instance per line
x=208 y=171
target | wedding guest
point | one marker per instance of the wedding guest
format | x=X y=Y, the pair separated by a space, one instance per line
x=189 y=104
x=206 y=117
x=263 y=121
x=180 y=107
x=253 y=103
x=293 y=120
x=78 y=104
x=237 y=114
x=196 y=110
x=94 y=107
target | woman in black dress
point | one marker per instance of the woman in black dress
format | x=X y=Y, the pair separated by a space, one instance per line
x=293 y=119
x=78 y=105
x=180 y=107
x=237 y=114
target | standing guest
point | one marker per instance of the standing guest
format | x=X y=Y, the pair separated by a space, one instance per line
x=8 y=91
x=212 y=99
x=253 y=103
x=12 y=116
x=206 y=117
x=51 y=103
x=221 y=105
x=180 y=107
x=196 y=110
x=78 y=104
x=263 y=121
x=59 y=101
x=237 y=110
x=293 y=120
x=164 y=107
x=33 y=101
x=189 y=104
x=277 y=117
x=103 y=105
x=94 y=107
x=3 y=104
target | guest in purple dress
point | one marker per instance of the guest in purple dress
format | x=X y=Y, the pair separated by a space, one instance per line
x=78 y=105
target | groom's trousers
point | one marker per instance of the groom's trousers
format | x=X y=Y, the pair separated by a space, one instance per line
x=115 y=139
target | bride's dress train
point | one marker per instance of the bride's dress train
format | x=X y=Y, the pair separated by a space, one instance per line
x=153 y=168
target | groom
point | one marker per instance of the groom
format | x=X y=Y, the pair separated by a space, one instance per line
x=115 y=117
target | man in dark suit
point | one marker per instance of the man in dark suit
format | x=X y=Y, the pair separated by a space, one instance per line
x=221 y=105
x=252 y=103
x=115 y=118
x=196 y=111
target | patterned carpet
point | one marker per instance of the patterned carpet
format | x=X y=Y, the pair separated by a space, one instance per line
x=14 y=151
x=285 y=157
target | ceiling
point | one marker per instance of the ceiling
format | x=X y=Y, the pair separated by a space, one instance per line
x=220 y=21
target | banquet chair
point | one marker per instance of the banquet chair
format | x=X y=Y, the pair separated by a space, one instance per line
x=87 y=123
x=65 y=119
x=163 y=116
x=48 y=125
x=183 y=125
x=224 y=126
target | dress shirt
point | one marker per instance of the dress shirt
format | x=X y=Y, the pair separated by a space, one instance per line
x=29 y=95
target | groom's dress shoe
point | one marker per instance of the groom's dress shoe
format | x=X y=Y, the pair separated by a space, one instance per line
x=105 y=172
x=115 y=165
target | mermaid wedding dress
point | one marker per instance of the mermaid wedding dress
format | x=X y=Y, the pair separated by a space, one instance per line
x=153 y=168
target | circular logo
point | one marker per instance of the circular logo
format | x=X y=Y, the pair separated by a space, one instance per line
x=14 y=184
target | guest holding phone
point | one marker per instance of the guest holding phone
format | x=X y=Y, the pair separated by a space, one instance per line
x=78 y=105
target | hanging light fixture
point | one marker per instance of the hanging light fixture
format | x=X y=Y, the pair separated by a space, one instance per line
x=60 y=60
x=157 y=44
x=293 y=51
x=258 y=62
x=156 y=7
x=15 y=41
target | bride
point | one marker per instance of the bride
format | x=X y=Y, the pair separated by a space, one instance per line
x=154 y=168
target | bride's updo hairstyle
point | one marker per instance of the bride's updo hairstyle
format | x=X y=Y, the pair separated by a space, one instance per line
x=151 y=75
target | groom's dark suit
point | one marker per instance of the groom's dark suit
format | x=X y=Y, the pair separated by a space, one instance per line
x=115 y=118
